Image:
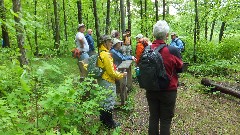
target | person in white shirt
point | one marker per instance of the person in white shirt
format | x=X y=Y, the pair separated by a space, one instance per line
x=81 y=43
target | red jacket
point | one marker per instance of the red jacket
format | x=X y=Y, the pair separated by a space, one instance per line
x=172 y=62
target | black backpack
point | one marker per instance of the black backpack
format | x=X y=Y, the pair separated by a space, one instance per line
x=183 y=49
x=153 y=76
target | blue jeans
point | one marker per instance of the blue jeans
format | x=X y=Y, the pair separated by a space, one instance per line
x=83 y=56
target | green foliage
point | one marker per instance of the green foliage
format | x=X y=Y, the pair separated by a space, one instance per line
x=47 y=99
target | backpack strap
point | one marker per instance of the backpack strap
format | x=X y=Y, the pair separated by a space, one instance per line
x=159 y=47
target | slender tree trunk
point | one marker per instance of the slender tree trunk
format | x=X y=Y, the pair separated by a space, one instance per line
x=222 y=31
x=145 y=18
x=5 y=36
x=35 y=31
x=129 y=14
x=206 y=29
x=195 y=31
x=212 y=29
x=65 y=21
x=57 y=32
x=164 y=10
x=141 y=14
x=96 y=20
x=79 y=6
x=122 y=16
x=156 y=6
x=108 y=17
x=19 y=31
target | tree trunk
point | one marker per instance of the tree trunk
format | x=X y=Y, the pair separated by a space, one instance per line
x=220 y=88
x=164 y=10
x=212 y=29
x=145 y=18
x=57 y=32
x=35 y=31
x=19 y=31
x=65 y=21
x=122 y=16
x=156 y=6
x=5 y=36
x=195 y=30
x=96 y=21
x=129 y=14
x=79 y=6
x=222 y=31
x=141 y=14
x=206 y=28
x=108 y=17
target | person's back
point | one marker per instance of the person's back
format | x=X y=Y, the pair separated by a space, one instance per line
x=118 y=57
x=90 y=41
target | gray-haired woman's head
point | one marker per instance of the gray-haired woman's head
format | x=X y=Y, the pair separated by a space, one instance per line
x=160 y=30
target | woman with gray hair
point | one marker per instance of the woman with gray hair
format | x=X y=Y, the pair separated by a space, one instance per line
x=162 y=103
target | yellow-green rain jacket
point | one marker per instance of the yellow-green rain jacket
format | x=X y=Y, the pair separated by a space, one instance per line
x=106 y=63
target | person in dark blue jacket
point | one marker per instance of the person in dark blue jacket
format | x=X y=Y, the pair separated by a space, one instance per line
x=118 y=57
x=90 y=41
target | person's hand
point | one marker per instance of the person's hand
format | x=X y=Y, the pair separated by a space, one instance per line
x=124 y=74
x=133 y=58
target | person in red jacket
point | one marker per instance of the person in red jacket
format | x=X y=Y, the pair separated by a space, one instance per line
x=162 y=103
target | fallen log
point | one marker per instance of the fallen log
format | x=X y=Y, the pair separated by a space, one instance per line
x=220 y=88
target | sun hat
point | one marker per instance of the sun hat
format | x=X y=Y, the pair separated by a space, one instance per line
x=115 y=41
x=173 y=33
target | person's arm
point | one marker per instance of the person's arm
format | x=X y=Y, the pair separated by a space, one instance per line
x=177 y=58
x=139 y=50
x=80 y=39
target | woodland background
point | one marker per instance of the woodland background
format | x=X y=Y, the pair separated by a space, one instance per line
x=39 y=88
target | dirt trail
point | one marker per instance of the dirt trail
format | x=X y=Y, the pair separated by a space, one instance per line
x=195 y=114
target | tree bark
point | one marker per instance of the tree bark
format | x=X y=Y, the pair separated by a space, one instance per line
x=196 y=29
x=96 y=21
x=212 y=29
x=57 y=32
x=141 y=15
x=129 y=14
x=107 y=17
x=145 y=18
x=19 y=31
x=122 y=16
x=164 y=10
x=5 y=36
x=220 y=88
x=35 y=31
x=79 y=6
x=222 y=31
x=156 y=7
x=206 y=29
x=65 y=21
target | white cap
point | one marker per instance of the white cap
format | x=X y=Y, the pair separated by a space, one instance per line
x=80 y=25
x=139 y=36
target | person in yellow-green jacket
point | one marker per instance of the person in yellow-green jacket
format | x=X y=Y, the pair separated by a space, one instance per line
x=110 y=74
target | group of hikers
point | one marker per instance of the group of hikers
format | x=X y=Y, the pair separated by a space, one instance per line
x=112 y=51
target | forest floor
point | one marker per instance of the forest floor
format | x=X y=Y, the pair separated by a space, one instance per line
x=196 y=113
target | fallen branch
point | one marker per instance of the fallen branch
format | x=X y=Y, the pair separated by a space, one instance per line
x=220 y=88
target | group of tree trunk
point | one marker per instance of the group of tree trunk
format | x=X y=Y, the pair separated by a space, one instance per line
x=122 y=10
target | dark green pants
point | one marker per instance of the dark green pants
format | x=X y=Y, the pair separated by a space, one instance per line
x=161 y=108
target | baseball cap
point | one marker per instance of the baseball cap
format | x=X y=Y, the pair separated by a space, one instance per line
x=173 y=33
x=115 y=41
x=105 y=38
x=80 y=25
x=139 y=36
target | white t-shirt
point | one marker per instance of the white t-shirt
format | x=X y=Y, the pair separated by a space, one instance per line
x=85 y=43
